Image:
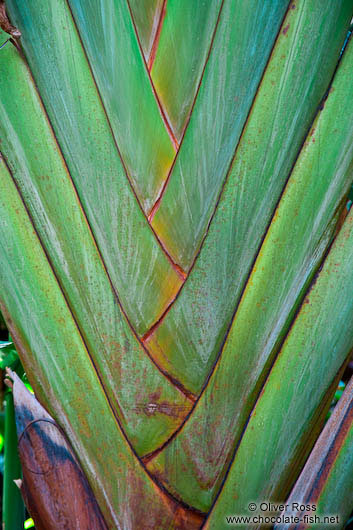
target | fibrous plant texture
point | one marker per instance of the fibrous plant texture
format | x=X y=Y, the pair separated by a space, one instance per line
x=176 y=255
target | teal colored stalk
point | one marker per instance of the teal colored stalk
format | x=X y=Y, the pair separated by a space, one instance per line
x=13 y=505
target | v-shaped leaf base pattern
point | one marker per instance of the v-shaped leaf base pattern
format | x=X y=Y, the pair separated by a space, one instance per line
x=175 y=243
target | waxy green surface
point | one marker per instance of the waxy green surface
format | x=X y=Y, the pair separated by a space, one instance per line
x=302 y=63
x=67 y=316
x=146 y=15
x=229 y=85
x=300 y=232
x=327 y=479
x=182 y=51
x=140 y=271
x=62 y=374
x=148 y=405
x=111 y=44
x=308 y=362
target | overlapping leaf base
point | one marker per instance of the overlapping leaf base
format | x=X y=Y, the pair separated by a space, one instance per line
x=176 y=250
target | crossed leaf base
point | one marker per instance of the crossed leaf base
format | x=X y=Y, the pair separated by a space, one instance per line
x=176 y=256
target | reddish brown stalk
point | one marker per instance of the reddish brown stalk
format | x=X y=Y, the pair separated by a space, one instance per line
x=181 y=273
x=164 y=116
x=50 y=469
x=5 y=24
x=156 y=205
x=158 y=322
x=151 y=456
x=152 y=329
x=157 y=37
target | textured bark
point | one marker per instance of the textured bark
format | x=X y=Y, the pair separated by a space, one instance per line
x=54 y=488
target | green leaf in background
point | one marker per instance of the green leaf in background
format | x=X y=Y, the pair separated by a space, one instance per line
x=13 y=509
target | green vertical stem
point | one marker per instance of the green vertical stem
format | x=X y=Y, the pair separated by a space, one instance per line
x=13 y=505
